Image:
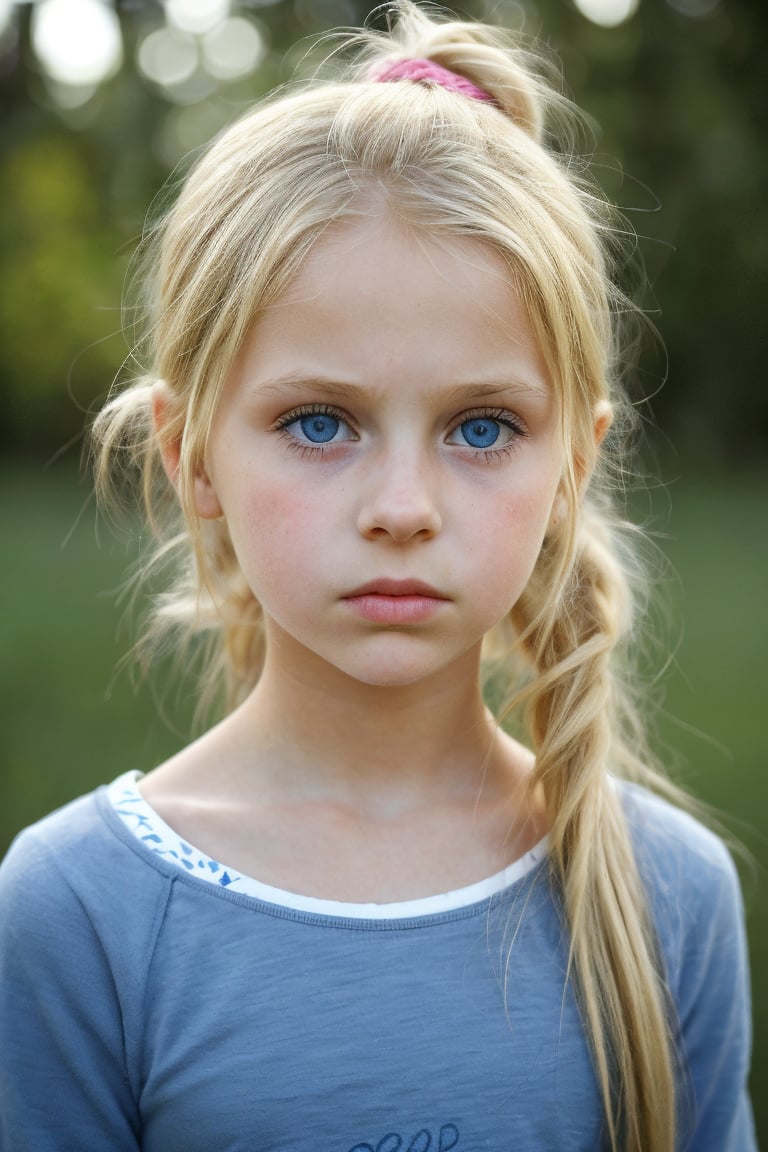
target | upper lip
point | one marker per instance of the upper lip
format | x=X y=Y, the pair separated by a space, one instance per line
x=387 y=587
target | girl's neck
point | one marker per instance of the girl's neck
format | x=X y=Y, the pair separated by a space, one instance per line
x=325 y=786
x=329 y=735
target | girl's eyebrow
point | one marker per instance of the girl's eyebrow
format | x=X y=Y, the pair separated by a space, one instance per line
x=472 y=390
x=498 y=388
x=310 y=384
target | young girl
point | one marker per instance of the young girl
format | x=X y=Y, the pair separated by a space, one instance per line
x=357 y=915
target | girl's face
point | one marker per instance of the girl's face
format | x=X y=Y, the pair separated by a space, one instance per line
x=387 y=455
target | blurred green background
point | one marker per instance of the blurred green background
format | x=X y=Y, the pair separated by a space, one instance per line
x=102 y=101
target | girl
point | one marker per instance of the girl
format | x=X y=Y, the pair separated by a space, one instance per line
x=357 y=915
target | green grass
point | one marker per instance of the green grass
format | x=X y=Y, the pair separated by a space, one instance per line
x=714 y=718
x=70 y=721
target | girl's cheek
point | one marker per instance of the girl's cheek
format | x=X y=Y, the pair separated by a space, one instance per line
x=282 y=514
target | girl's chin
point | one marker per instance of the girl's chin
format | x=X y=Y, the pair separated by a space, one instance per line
x=384 y=659
x=386 y=673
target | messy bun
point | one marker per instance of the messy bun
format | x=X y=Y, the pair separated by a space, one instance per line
x=486 y=56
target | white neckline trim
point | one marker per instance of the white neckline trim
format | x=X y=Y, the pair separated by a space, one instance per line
x=150 y=829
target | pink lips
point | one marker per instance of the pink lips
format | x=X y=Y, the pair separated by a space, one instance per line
x=395 y=601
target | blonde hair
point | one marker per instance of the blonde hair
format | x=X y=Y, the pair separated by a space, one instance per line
x=248 y=214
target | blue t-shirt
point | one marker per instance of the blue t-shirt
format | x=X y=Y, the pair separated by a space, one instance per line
x=153 y=999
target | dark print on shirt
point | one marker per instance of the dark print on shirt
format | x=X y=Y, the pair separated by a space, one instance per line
x=423 y=1141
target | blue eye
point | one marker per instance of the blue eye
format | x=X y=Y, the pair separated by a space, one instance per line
x=480 y=432
x=490 y=433
x=314 y=427
x=319 y=428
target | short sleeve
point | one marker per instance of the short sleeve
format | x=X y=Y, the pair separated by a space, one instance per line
x=64 y=1084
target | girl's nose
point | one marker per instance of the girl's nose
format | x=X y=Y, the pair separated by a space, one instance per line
x=400 y=501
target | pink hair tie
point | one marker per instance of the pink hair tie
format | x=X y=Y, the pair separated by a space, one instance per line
x=416 y=69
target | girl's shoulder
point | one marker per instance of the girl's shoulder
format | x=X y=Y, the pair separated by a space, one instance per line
x=80 y=918
x=669 y=839
x=693 y=893
x=68 y=840
x=77 y=867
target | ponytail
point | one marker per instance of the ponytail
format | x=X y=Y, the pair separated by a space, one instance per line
x=472 y=52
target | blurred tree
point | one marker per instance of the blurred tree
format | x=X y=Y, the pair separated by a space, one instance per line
x=60 y=289
x=680 y=94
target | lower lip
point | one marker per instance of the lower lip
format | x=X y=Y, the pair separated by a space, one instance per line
x=382 y=609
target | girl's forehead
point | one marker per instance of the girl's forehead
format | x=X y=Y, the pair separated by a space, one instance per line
x=376 y=303
x=413 y=277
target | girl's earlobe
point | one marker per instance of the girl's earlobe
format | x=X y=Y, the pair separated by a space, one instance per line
x=206 y=502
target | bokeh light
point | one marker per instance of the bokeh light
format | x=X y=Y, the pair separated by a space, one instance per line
x=168 y=56
x=78 y=42
x=196 y=15
x=233 y=48
x=608 y=13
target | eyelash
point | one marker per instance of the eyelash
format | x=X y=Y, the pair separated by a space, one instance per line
x=501 y=416
x=305 y=447
x=486 y=455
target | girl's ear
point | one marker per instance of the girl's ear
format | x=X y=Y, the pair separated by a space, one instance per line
x=603 y=421
x=207 y=503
